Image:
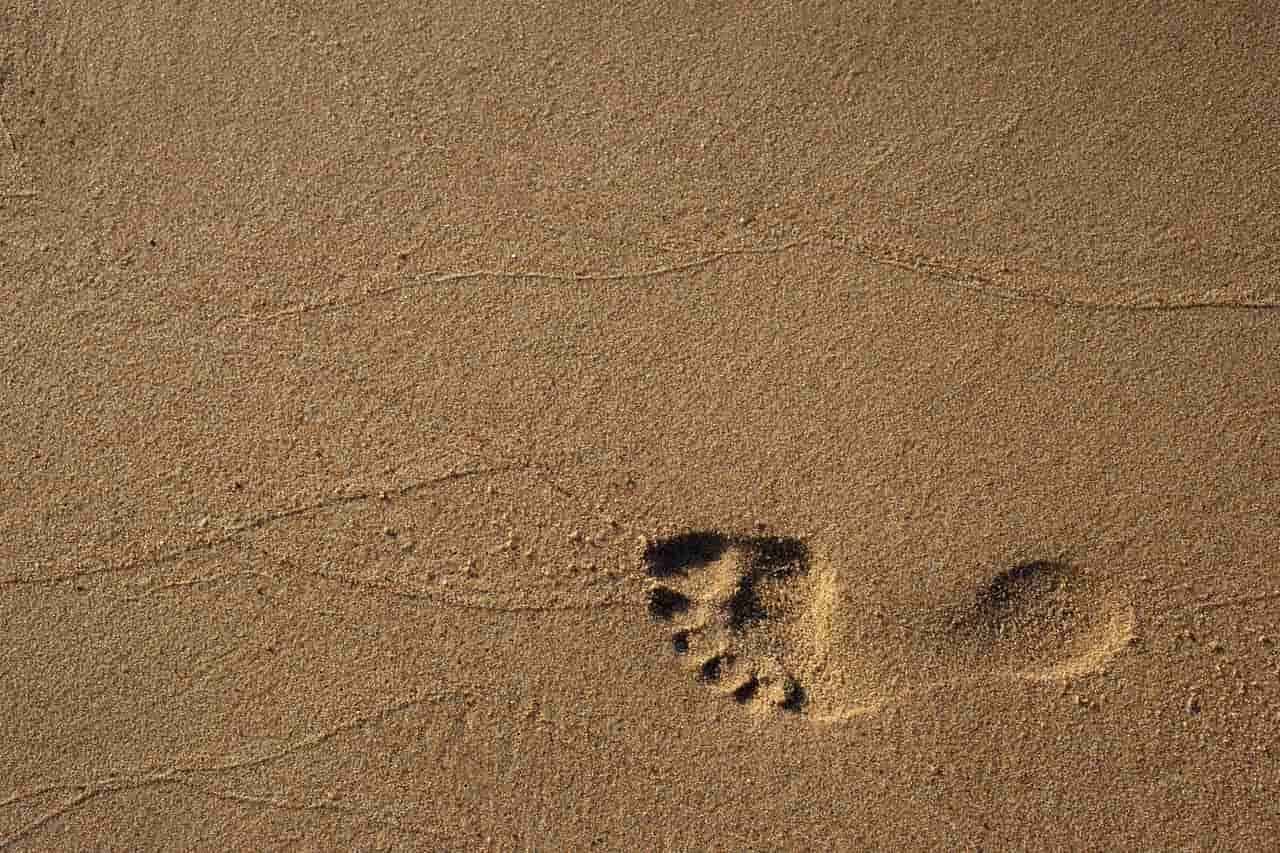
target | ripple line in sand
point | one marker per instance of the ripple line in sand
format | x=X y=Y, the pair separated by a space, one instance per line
x=949 y=273
x=181 y=772
x=442 y=277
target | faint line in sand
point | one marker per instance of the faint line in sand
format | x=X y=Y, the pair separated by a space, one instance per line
x=477 y=600
x=180 y=773
x=985 y=285
x=922 y=265
x=13 y=146
x=444 y=277
x=1208 y=603
x=259 y=523
x=418 y=596
x=1240 y=601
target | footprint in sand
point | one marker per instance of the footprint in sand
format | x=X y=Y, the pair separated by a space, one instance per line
x=763 y=622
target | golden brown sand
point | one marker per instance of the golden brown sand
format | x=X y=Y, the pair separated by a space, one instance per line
x=757 y=426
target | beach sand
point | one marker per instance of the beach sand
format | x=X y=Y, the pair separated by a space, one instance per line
x=750 y=426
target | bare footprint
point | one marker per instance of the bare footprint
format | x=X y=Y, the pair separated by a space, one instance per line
x=758 y=619
x=1042 y=620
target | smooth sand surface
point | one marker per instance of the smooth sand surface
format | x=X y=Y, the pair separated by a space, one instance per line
x=699 y=426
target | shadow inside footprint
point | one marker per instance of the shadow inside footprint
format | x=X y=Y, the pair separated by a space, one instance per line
x=1022 y=594
x=1039 y=617
x=735 y=601
x=772 y=558
x=778 y=556
x=747 y=691
x=666 y=603
x=679 y=554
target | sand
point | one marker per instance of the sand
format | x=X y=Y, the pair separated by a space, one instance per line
x=755 y=426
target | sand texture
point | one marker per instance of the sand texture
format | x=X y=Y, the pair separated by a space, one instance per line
x=652 y=427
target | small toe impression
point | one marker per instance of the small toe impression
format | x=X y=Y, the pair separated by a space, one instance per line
x=680 y=642
x=745 y=692
x=713 y=668
x=665 y=603
x=790 y=696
